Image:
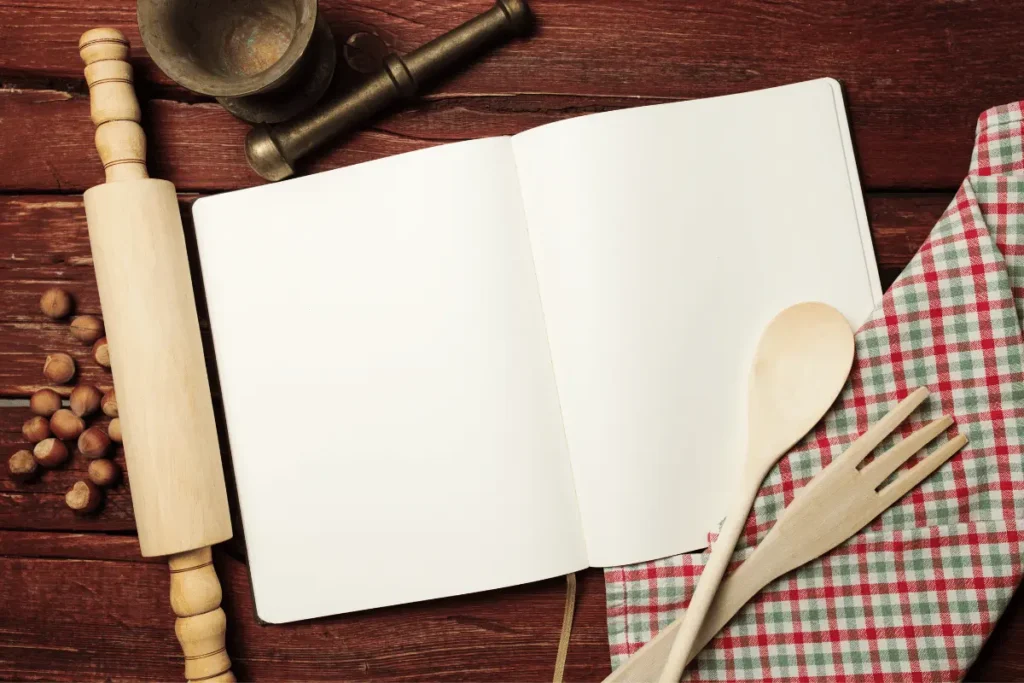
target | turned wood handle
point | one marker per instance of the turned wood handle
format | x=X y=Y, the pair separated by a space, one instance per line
x=137 y=243
x=201 y=623
x=115 y=110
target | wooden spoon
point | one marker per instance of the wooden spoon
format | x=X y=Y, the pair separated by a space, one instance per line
x=801 y=364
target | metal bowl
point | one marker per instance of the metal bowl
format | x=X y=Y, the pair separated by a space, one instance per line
x=227 y=48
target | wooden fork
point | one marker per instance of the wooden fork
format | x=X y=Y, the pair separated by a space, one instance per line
x=837 y=503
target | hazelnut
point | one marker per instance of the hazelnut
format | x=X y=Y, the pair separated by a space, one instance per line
x=104 y=472
x=36 y=429
x=94 y=443
x=22 y=466
x=114 y=430
x=108 y=404
x=50 y=452
x=66 y=425
x=84 y=497
x=56 y=303
x=59 y=368
x=44 y=402
x=85 y=400
x=87 y=328
x=101 y=353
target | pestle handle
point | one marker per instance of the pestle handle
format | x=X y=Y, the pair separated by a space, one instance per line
x=273 y=150
x=115 y=109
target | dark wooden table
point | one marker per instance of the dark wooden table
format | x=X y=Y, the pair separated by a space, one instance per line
x=76 y=599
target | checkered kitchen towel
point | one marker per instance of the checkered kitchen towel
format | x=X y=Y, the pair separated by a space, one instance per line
x=914 y=595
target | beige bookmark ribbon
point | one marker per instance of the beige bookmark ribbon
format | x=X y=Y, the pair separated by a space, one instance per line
x=563 y=639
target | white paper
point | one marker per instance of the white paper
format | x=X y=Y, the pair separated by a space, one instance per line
x=390 y=400
x=506 y=360
x=665 y=239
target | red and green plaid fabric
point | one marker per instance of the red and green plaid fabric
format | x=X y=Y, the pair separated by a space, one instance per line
x=914 y=595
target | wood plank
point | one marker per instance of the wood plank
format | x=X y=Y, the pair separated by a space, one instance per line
x=913 y=113
x=75 y=619
x=193 y=145
x=44 y=242
x=70 y=546
x=86 y=603
x=199 y=146
x=656 y=48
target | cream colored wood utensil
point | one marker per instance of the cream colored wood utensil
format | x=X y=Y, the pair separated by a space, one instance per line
x=801 y=364
x=166 y=413
x=837 y=503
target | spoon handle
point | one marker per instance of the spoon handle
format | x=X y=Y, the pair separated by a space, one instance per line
x=710 y=578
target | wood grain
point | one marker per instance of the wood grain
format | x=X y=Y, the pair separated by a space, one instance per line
x=72 y=546
x=86 y=606
x=912 y=114
x=199 y=146
x=656 y=47
x=86 y=609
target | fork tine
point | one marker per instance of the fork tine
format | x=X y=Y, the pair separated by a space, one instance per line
x=875 y=434
x=876 y=471
x=921 y=471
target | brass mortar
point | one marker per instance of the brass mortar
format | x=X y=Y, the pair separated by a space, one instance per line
x=264 y=60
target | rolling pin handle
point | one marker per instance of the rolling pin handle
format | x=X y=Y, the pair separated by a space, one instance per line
x=115 y=109
x=201 y=625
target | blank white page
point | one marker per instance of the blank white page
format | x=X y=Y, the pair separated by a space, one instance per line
x=390 y=400
x=665 y=239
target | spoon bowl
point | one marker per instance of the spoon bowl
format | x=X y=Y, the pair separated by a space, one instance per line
x=801 y=364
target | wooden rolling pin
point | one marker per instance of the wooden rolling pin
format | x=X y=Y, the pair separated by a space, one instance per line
x=163 y=393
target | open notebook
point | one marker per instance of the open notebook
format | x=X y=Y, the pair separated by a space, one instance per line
x=498 y=361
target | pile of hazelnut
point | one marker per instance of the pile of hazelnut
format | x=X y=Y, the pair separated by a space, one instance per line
x=52 y=425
